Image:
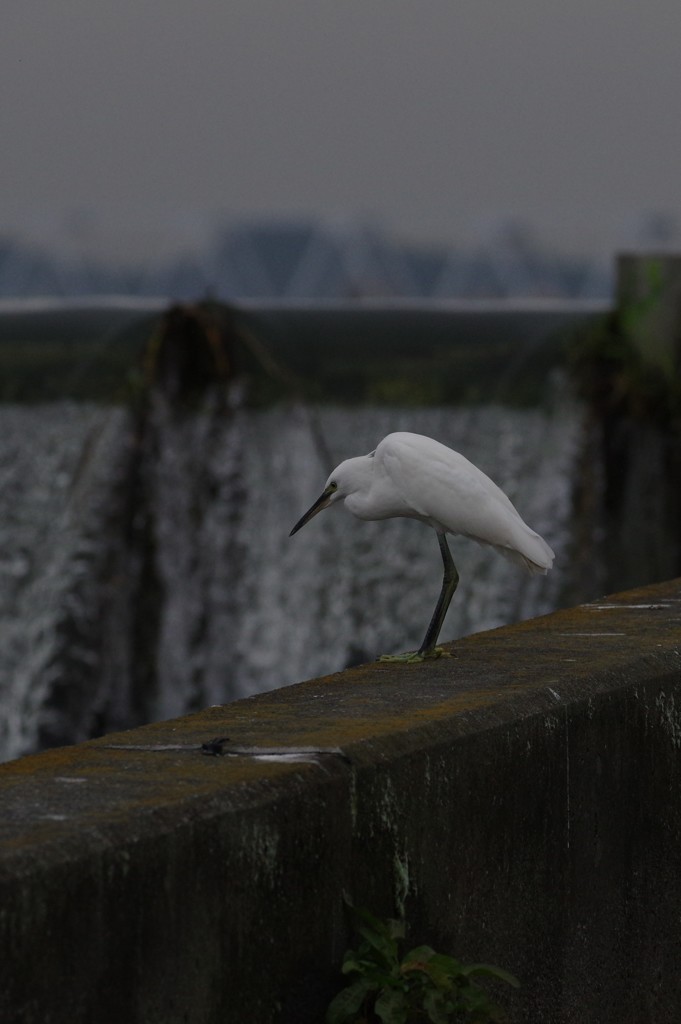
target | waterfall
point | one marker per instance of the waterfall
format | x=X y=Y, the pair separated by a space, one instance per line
x=144 y=574
x=56 y=461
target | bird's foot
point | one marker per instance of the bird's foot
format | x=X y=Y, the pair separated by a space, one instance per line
x=411 y=656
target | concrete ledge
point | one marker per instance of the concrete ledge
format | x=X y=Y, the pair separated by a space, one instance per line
x=519 y=802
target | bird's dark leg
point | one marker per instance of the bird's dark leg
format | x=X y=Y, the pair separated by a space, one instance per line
x=449 y=584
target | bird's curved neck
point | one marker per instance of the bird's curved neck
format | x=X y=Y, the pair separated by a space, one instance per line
x=358 y=500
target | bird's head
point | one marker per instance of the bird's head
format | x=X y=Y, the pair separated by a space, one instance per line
x=347 y=478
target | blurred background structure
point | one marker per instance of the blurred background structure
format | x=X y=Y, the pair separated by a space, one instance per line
x=308 y=260
x=293 y=259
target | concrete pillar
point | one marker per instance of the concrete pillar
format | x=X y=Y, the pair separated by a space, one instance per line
x=649 y=307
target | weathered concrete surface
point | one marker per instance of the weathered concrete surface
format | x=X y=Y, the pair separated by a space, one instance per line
x=520 y=802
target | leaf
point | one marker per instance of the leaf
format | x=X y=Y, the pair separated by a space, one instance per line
x=437 y=1007
x=454 y=968
x=419 y=953
x=350 y=964
x=364 y=916
x=441 y=971
x=344 y=1007
x=382 y=943
x=492 y=972
x=475 y=998
x=391 y=1007
x=379 y=978
x=389 y=927
x=480 y=1008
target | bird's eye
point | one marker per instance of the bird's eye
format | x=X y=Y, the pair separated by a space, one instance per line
x=333 y=486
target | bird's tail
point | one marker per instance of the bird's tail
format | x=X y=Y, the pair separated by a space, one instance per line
x=536 y=556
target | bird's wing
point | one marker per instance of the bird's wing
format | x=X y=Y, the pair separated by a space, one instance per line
x=443 y=488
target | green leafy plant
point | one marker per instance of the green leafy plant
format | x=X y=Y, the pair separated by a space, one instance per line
x=421 y=986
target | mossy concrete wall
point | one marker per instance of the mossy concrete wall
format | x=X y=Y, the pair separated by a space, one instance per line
x=519 y=802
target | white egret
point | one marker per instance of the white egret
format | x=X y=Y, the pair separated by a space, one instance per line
x=416 y=477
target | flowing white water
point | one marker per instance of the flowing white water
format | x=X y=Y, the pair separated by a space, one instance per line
x=54 y=463
x=241 y=606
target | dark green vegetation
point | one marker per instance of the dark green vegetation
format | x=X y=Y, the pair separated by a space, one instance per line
x=80 y=353
x=402 y=355
x=422 y=985
x=398 y=355
x=626 y=362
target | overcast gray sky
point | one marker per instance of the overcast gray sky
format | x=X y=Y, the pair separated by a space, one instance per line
x=430 y=116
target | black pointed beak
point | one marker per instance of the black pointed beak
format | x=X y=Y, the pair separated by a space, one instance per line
x=322 y=501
